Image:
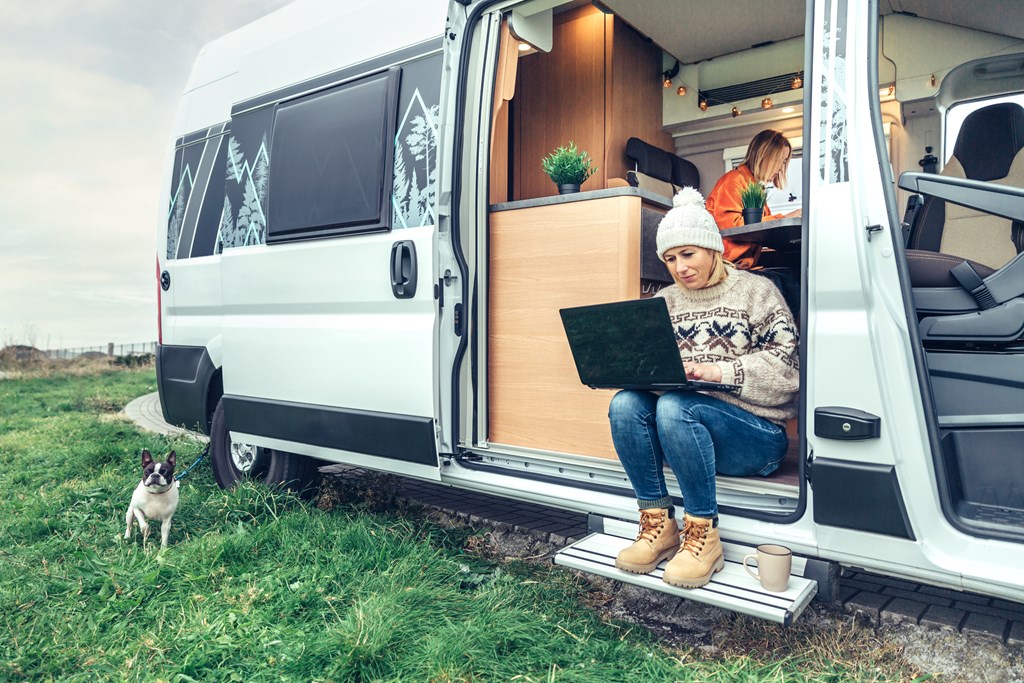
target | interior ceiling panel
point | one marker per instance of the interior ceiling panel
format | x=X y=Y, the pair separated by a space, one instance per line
x=695 y=30
x=1005 y=17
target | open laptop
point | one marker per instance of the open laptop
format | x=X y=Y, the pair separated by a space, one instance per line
x=629 y=345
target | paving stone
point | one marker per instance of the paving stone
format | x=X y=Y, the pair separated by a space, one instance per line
x=518 y=518
x=961 y=596
x=1009 y=606
x=948 y=593
x=501 y=527
x=552 y=527
x=985 y=625
x=527 y=529
x=943 y=617
x=987 y=610
x=903 y=610
x=867 y=603
x=916 y=596
x=861 y=585
x=847 y=592
x=1016 y=636
x=886 y=581
x=565 y=538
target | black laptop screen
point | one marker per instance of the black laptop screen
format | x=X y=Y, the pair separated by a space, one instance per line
x=624 y=343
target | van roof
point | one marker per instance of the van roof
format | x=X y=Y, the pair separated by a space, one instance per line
x=300 y=41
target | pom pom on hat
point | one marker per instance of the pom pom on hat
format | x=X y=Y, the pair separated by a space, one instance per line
x=688 y=224
x=686 y=196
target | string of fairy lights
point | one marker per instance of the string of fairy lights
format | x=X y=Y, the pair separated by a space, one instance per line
x=669 y=78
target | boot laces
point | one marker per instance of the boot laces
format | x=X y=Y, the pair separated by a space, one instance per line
x=694 y=536
x=650 y=524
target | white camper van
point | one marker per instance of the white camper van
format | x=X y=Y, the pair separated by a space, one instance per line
x=361 y=261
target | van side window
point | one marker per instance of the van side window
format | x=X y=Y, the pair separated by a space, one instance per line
x=333 y=156
x=197 y=193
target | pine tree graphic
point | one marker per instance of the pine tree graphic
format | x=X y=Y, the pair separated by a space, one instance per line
x=236 y=161
x=258 y=225
x=177 y=218
x=422 y=144
x=224 y=229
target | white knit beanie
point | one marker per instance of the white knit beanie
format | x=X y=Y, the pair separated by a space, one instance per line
x=688 y=224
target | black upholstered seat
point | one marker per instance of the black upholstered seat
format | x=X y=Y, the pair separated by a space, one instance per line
x=988 y=148
x=659 y=171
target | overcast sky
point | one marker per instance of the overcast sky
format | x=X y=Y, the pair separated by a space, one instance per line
x=89 y=93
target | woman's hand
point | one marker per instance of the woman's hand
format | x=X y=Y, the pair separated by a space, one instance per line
x=709 y=372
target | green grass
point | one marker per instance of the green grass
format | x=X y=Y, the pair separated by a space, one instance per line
x=257 y=585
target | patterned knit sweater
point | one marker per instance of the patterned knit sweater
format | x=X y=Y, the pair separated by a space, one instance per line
x=744 y=326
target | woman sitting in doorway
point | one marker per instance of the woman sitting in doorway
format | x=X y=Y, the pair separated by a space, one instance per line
x=732 y=327
x=766 y=161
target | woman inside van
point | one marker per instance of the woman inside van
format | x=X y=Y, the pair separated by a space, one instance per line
x=732 y=327
x=767 y=160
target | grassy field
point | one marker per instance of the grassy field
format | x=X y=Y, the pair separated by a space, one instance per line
x=257 y=585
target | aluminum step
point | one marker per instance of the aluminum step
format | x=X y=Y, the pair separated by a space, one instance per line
x=731 y=588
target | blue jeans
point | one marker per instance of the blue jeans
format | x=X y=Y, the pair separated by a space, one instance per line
x=697 y=435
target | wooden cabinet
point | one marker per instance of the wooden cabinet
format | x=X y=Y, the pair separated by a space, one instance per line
x=599 y=86
x=544 y=258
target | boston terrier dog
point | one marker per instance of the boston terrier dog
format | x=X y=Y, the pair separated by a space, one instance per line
x=156 y=497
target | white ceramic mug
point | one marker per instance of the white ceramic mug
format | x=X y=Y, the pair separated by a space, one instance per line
x=774 y=563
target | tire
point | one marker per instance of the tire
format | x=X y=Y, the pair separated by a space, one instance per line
x=234 y=462
x=294 y=472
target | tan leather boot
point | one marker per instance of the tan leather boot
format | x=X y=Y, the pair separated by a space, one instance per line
x=658 y=540
x=699 y=557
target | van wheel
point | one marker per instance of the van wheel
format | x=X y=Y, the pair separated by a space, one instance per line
x=233 y=462
x=294 y=472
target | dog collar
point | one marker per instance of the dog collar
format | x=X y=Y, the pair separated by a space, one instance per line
x=156 y=490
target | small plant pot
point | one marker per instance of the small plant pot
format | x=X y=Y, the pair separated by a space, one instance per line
x=752 y=216
x=568 y=188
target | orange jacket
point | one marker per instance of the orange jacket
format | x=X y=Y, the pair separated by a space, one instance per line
x=725 y=205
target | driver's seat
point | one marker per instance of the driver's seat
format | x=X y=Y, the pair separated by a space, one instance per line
x=988 y=148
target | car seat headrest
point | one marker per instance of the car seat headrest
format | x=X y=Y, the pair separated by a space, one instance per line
x=989 y=139
x=658 y=163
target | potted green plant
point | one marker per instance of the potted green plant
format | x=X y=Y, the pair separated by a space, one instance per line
x=568 y=167
x=753 y=197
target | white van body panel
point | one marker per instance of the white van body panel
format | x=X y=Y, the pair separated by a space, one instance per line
x=334 y=332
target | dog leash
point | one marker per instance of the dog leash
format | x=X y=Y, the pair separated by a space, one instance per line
x=206 y=451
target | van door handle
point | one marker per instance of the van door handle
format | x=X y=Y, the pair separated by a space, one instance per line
x=403 y=269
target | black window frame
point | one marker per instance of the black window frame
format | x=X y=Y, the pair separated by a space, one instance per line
x=390 y=123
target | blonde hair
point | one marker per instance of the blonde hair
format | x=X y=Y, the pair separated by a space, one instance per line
x=767 y=149
x=719 y=270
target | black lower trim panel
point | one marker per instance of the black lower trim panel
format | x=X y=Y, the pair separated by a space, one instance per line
x=388 y=435
x=183 y=377
x=862 y=496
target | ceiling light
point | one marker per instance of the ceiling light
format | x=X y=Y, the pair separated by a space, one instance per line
x=736 y=112
x=797 y=82
x=767 y=103
x=681 y=90
x=788 y=110
x=667 y=82
x=703 y=104
x=524 y=47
